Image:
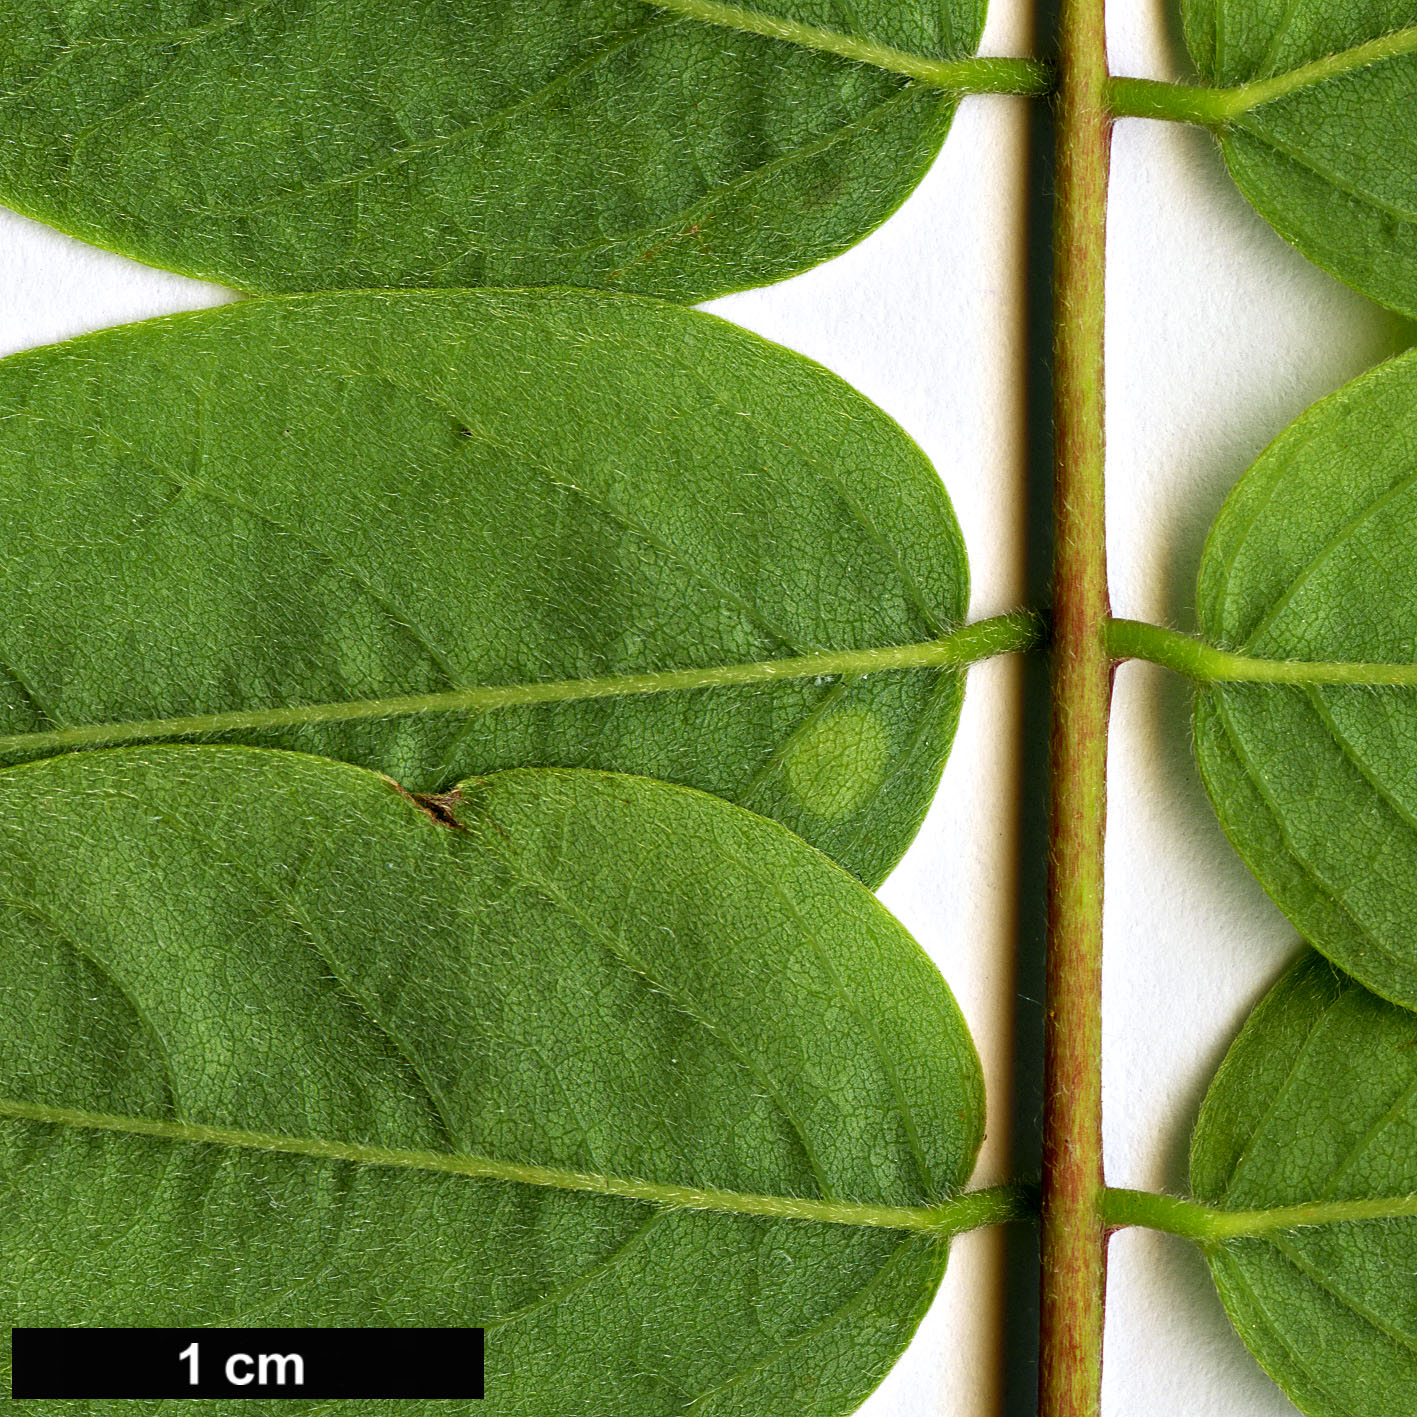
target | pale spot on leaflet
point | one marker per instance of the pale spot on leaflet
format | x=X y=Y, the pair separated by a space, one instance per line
x=838 y=763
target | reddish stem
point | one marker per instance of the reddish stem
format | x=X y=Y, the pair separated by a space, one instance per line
x=1074 y=1241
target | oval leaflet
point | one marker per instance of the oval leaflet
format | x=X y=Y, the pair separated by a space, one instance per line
x=301 y=513
x=290 y=147
x=1317 y=1101
x=612 y=1068
x=1312 y=558
x=1324 y=141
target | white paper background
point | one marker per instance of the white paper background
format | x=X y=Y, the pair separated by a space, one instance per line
x=1218 y=336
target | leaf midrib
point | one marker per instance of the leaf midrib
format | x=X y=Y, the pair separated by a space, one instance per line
x=1205 y=663
x=956 y=650
x=1394 y=45
x=933 y=1220
x=958 y=74
x=935 y=72
x=1218 y=108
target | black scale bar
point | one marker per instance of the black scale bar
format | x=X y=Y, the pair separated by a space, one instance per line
x=246 y=1362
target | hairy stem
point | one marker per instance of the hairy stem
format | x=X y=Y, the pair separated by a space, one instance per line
x=1074 y=1238
x=1172 y=103
x=970 y=1210
x=1207 y=1225
x=1004 y=634
x=1134 y=639
x=1028 y=77
x=1212 y=108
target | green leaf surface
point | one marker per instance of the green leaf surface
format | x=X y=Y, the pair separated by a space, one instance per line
x=301 y=146
x=1324 y=137
x=1317 y=1100
x=583 y=1058
x=1313 y=558
x=352 y=499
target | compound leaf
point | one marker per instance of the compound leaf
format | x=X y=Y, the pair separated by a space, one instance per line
x=1328 y=150
x=274 y=506
x=571 y=1057
x=300 y=146
x=1312 y=558
x=1317 y=1101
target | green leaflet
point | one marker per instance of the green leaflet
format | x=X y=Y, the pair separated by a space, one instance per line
x=351 y=497
x=1313 y=558
x=1317 y=1100
x=1331 y=163
x=298 y=146
x=613 y=977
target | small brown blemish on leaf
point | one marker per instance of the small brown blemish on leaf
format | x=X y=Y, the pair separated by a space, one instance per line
x=437 y=805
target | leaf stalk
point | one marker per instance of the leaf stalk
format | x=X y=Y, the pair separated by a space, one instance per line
x=1171 y=103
